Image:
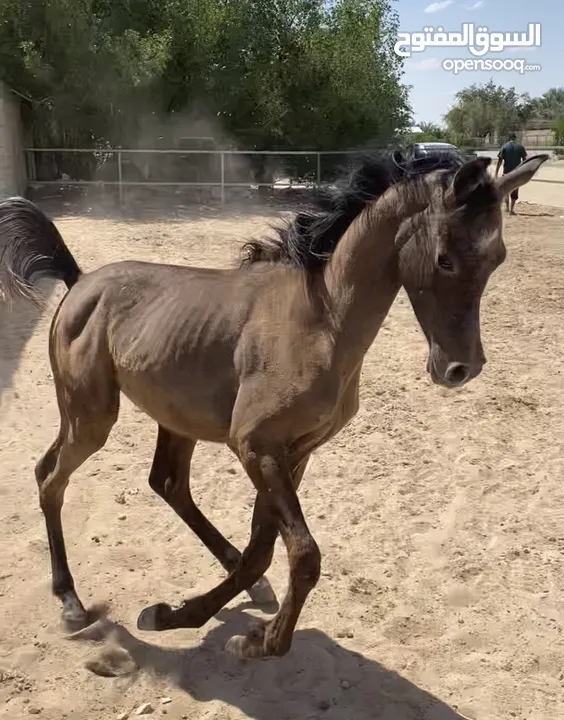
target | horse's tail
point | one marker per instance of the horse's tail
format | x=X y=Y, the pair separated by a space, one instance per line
x=31 y=248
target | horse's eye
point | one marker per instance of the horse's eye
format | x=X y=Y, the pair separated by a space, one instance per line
x=444 y=262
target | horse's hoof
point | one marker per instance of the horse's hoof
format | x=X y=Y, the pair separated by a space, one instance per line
x=75 y=625
x=250 y=645
x=74 y=615
x=262 y=593
x=154 y=617
x=77 y=620
x=240 y=647
x=237 y=646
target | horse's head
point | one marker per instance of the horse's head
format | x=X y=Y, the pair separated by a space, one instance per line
x=446 y=256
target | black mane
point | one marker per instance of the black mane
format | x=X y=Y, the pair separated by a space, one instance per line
x=308 y=241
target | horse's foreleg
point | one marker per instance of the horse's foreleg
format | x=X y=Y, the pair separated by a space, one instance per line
x=170 y=479
x=269 y=471
x=255 y=561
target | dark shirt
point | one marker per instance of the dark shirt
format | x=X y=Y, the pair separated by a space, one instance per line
x=512 y=153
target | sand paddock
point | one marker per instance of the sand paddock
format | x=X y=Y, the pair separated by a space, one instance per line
x=440 y=516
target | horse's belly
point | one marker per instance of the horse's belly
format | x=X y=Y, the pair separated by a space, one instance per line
x=200 y=410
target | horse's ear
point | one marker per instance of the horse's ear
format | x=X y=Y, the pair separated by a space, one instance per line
x=522 y=174
x=469 y=177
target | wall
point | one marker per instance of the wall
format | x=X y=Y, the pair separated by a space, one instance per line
x=537 y=137
x=12 y=162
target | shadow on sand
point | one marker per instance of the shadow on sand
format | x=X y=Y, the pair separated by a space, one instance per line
x=18 y=320
x=317 y=679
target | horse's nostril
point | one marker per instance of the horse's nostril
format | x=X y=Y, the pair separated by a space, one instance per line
x=457 y=373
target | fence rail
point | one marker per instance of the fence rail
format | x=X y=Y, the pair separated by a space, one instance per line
x=103 y=175
x=221 y=182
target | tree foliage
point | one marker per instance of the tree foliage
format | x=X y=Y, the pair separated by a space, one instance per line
x=430 y=132
x=482 y=110
x=550 y=106
x=270 y=73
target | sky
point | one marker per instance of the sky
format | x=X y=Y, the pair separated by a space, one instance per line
x=433 y=88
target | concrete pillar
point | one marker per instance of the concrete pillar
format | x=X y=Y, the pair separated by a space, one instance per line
x=13 y=179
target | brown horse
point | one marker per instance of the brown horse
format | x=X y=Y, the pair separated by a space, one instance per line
x=265 y=357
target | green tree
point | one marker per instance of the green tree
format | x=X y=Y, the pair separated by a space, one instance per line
x=489 y=109
x=284 y=73
x=77 y=75
x=549 y=106
x=430 y=132
x=559 y=132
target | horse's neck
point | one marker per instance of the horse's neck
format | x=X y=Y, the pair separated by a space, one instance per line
x=362 y=281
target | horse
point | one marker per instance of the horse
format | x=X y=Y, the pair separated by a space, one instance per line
x=264 y=356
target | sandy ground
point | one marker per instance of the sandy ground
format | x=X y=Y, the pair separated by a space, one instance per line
x=547 y=187
x=440 y=516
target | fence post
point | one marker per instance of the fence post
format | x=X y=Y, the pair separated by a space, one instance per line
x=318 y=169
x=120 y=185
x=222 y=157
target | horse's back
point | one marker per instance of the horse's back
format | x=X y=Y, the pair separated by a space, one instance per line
x=165 y=335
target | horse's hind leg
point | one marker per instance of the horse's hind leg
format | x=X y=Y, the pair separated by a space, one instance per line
x=170 y=479
x=85 y=426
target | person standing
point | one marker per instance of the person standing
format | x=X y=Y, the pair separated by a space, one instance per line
x=512 y=154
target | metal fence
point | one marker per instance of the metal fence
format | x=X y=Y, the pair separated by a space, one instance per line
x=124 y=168
x=535 y=139
x=179 y=168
